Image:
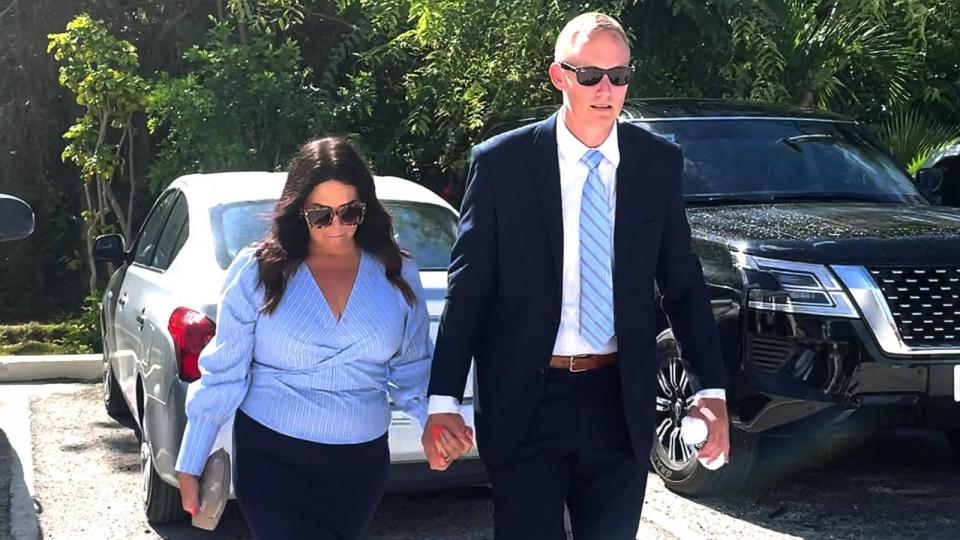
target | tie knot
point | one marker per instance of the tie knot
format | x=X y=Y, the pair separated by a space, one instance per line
x=592 y=158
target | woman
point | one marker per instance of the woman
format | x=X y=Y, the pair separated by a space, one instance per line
x=313 y=325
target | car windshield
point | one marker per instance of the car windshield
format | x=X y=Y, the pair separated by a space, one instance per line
x=745 y=161
x=426 y=230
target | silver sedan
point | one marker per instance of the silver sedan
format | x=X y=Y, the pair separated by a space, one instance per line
x=159 y=311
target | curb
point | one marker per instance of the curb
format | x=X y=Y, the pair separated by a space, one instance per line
x=71 y=367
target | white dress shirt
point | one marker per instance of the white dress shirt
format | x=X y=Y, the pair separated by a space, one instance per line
x=573 y=175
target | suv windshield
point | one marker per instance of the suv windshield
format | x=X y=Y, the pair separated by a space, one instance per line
x=765 y=160
x=425 y=230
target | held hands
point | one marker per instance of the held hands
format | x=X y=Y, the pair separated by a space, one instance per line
x=714 y=413
x=189 y=492
x=445 y=438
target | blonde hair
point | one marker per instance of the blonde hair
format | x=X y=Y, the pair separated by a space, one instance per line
x=584 y=25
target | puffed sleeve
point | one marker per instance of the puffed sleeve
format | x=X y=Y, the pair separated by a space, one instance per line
x=409 y=369
x=224 y=364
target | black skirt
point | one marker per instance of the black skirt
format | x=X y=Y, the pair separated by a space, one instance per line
x=290 y=488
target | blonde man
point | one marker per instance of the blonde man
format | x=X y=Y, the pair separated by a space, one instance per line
x=567 y=226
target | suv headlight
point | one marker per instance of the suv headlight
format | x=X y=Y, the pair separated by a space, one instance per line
x=793 y=287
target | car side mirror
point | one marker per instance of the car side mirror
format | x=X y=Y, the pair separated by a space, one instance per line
x=110 y=248
x=16 y=218
x=929 y=182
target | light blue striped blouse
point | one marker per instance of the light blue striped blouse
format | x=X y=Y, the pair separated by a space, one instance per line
x=301 y=372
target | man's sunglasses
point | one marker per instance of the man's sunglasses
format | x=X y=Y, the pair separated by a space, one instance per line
x=591 y=76
x=321 y=216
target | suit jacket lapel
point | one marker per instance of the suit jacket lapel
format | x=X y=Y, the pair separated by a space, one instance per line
x=548 y=188
x=628 y=180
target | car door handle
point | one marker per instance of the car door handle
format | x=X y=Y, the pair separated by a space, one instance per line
x=140 y=318
x=122 y=301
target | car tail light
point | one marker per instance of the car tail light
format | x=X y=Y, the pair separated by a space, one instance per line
x=191 y=331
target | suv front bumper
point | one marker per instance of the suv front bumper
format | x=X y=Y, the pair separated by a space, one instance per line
x=810 y=374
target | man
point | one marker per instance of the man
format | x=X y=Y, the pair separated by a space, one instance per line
x=566 y=227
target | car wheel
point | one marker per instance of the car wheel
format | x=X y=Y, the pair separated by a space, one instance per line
x=674 y=461
x=112 y=397
x=161 y=501
x=953 y=435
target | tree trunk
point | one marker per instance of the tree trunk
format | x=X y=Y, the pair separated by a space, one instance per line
x=89 y=227
x=128 y=221
x=118 y=210
x=92 y=285
x=806 y=100
x=94 y=212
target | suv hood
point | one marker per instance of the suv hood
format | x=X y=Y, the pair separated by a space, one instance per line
x=835 y=233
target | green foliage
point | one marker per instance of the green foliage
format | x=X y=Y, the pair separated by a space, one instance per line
x=814 y=53
x=101 y=71
x=34 y=348
x=83 y=333
x=77 y=335
x=97 y=67
x=679 y=47
x=238 y=84
x=242 y=106
x=264 y=14
x=435 y=72
x=913 y=136
x=931 y=26
x=33 y=331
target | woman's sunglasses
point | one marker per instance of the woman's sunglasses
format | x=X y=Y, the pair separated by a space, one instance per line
x=591 y=76
x=321 y=216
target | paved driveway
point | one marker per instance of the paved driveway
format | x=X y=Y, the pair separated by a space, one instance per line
x=85 y=477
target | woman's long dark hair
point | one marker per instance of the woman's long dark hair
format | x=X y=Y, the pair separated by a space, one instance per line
x=285 y=247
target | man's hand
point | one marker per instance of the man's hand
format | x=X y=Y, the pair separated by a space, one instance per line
x=445 y=438
x=189 y=493
x=714 y=413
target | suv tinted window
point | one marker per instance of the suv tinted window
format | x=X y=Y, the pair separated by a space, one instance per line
x=774 y=159
x=425 y=230
x=150 y=232
x=173 y=236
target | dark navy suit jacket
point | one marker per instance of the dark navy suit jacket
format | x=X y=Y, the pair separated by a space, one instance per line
x=504 y=297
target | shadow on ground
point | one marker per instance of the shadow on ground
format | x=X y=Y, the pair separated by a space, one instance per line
x=901 y=484
x=458 y=513
x=18 y=518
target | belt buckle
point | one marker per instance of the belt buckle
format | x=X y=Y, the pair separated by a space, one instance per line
x=573 y=359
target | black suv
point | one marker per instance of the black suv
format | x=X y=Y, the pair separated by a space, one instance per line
x=834 y=282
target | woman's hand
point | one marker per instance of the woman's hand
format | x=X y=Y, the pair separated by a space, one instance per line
x=189 y=492
x=445 y=438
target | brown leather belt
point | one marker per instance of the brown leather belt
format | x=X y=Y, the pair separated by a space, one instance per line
x=582 y=362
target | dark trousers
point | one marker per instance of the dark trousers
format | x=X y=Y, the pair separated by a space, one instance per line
x=290 y=488
x=577 y=452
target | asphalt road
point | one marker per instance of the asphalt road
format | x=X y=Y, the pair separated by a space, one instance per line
x=86 y=482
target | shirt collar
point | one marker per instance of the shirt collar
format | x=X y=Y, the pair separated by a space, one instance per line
x=572 y=150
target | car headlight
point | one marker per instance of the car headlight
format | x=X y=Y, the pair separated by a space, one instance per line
x=793 y=287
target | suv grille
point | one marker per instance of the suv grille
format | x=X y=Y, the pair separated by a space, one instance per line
x=925 y=303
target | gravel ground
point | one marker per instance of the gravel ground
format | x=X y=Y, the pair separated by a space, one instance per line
x=901 y=485
x=88 y=484
x=898 y=485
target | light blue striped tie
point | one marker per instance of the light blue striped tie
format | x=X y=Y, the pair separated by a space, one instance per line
x=596 y=274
